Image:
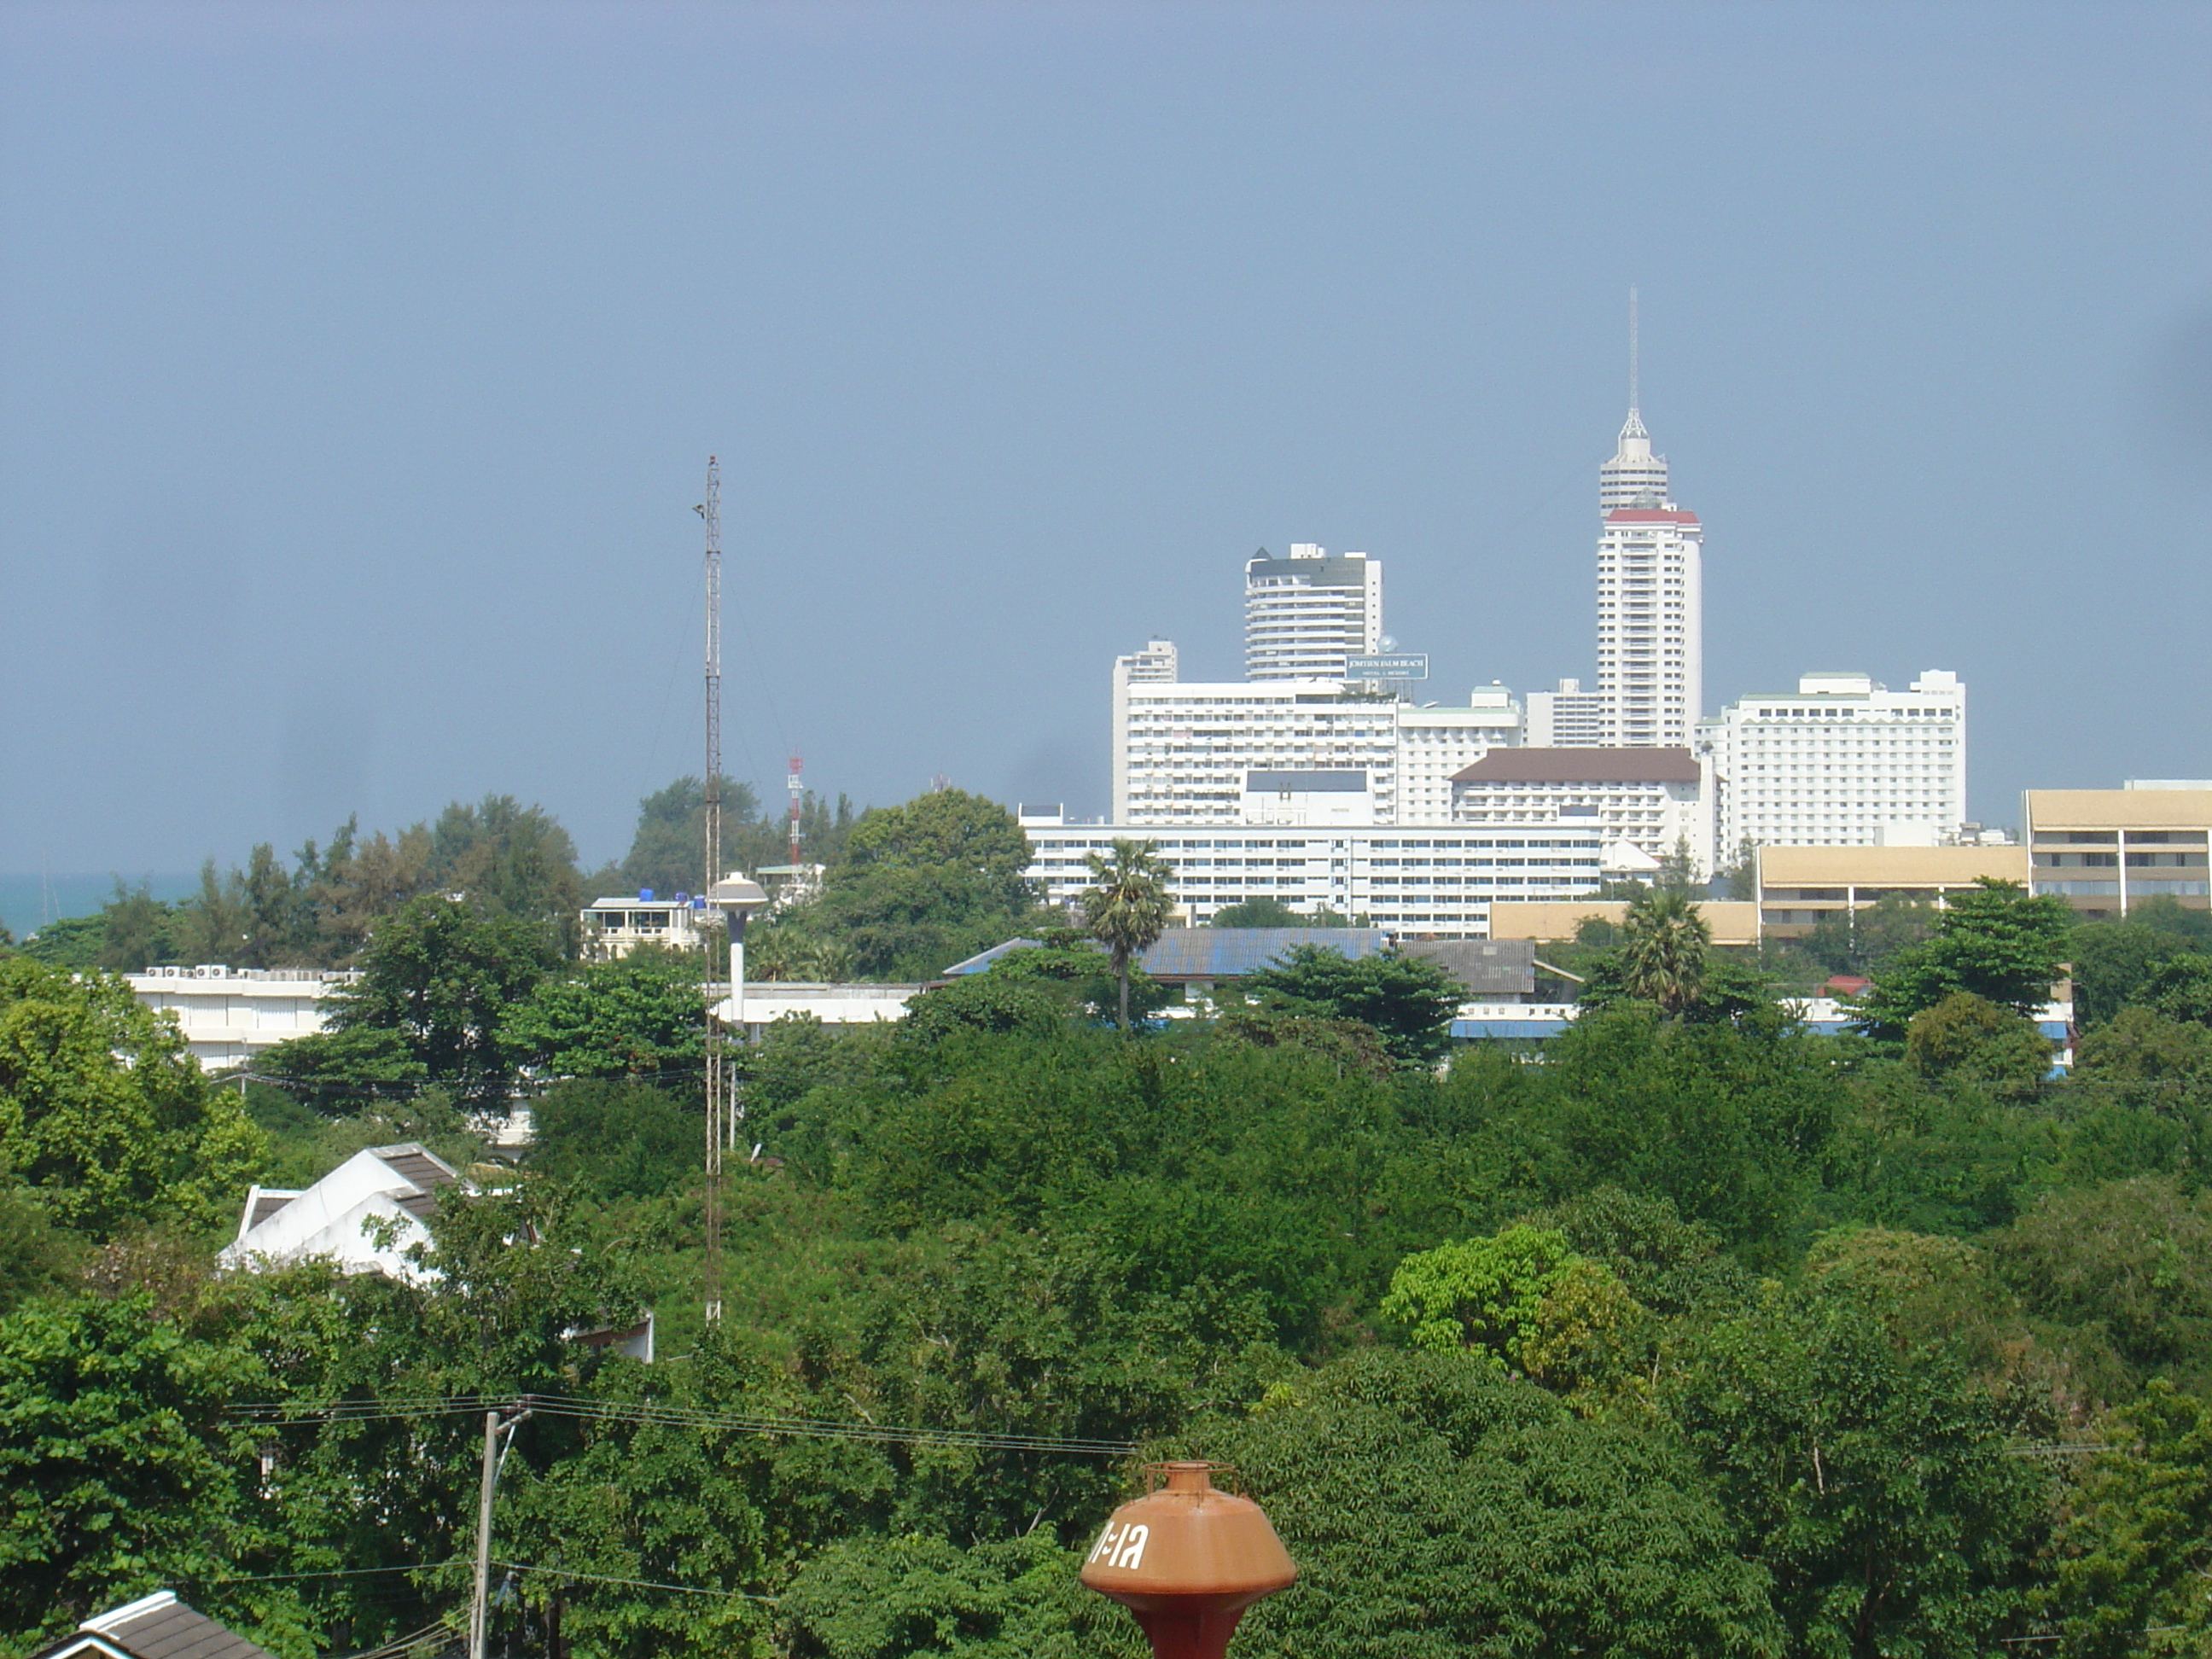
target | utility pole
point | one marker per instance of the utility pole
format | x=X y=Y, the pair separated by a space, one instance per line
x=499 y=1436
x=711 y=510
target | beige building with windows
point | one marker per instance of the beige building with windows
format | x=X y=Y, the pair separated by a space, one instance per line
x=1733 y=922
x=1800 y=887
x=2102 y=850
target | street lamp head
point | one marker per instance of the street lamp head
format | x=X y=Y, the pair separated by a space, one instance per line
x=736 y=896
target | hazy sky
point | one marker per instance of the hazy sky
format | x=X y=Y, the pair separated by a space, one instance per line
x=359 y=365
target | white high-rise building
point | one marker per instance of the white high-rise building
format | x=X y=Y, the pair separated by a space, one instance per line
x=1651 y=615
x=1305 y=614
x=1658 y=801
x=1213 y=751
x=1437 y=881
x=1440 y=739
x=1565 y=717
x=1842 y=762
x=1651 y=604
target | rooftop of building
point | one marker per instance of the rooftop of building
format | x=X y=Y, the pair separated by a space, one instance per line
x=1651 y=515
x=1888 y=866
x=157 y=1626
x=1581 y=766
x=2119 y=809
x=1733 y=921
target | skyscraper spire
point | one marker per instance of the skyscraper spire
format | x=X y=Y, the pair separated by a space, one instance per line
x=1633 y=362
x=1634 y=477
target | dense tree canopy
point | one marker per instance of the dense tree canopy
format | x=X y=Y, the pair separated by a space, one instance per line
x=1686 y=1332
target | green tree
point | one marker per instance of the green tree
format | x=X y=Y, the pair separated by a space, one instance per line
x=1127 y=906
x=1409 y=1000
x=949 y=829
x=137 y=930
x=1996 y=941
x=890 y=1598
x=614 y=1138
x=121 y=1471
x=2136 y=1545
x=1662 y=948
x=514 y=859
x=1868 y=1481
x=1480 y=1295
x=105 y=1113
x=926 y=884
x=2179 y=988
x=2138 y=1046
x=2111 y=960
x=642 y=1016
x=1435 y=1509
x=70 y=942
x=1971 y=1038
x=441 y=975
x=668 y=850
x=35 y=1255
x=1266 y=912
x=2130 y=1261
x=1730 y=1123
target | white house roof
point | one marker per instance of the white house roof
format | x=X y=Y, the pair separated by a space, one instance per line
x=396 y=1185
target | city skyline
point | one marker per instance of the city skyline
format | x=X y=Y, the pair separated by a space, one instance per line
x=362 y=369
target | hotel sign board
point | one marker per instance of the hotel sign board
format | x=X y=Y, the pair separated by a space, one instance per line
x=1395 y=665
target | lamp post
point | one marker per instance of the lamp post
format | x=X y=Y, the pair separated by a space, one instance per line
x=737 y=897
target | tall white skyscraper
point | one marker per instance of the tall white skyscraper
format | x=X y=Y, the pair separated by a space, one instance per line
x=1650 y=592
x=1305 y=614
x=1650 y=648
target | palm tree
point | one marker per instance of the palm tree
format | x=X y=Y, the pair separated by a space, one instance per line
x=1662 y=949
x=1129 y=907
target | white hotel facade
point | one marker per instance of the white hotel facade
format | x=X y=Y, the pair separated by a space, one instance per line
x=1438 y=880
x=1841 y=762
x=1183 y=750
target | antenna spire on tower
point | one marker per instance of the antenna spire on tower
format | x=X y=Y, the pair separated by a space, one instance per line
x=1634 y=365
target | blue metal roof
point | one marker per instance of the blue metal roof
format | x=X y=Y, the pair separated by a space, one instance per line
x=1211 y=953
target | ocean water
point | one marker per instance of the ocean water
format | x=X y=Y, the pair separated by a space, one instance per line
x=27 y=901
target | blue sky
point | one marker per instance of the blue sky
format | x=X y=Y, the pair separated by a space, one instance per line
x=359 y=364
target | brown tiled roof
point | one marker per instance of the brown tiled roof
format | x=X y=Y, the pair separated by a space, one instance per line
x=1581 y=766
x=157 y=1627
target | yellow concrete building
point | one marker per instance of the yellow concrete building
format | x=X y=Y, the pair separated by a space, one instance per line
x=2102 y=850
x=1731 y=922
x=1800 y=887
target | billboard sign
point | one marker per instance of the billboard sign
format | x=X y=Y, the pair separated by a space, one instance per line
x=1391 y=665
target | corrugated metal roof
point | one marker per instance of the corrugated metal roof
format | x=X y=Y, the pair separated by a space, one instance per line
x=418 y=1164
x=156 y=1627
x=1583 y=766
x=1211 y=953
x=1487 y=968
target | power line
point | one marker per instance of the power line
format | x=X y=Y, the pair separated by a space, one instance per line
x=635 y=1584
x=331 y=1572
x=563 y=1406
